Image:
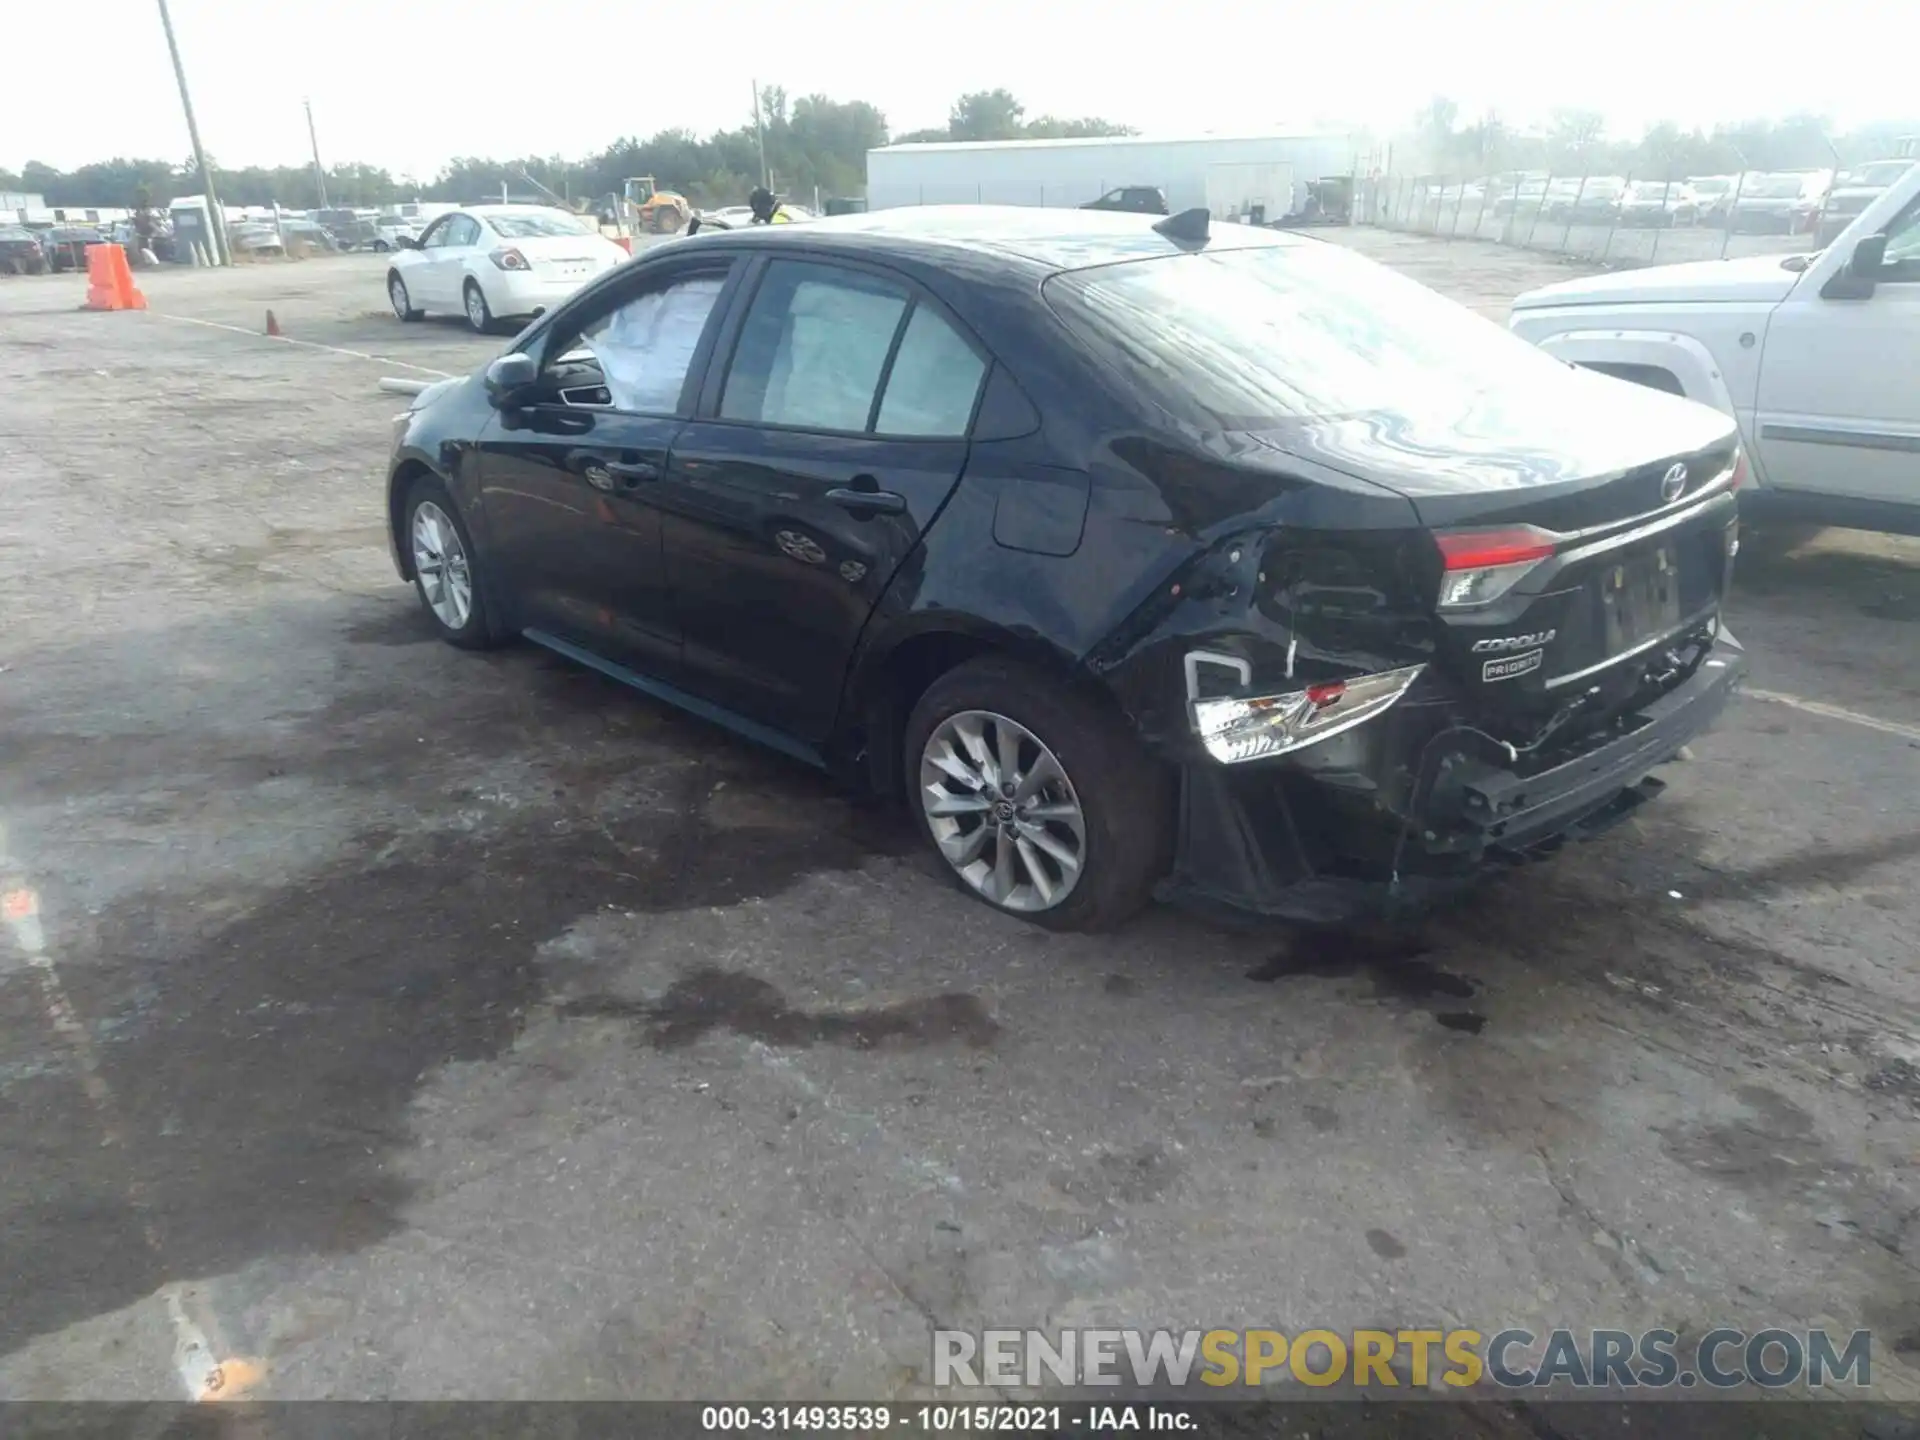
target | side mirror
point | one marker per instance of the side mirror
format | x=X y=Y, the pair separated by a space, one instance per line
x=507 y=376
x=1869 y=258
x=1860 y=276
x=405 y=242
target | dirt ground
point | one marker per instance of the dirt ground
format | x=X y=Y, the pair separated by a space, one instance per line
x=404 y=1023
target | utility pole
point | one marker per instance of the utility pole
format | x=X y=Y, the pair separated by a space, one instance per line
x=759 y=133
x=319 y=173
x=215 y=224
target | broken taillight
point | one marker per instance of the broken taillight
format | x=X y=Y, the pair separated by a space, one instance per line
x=1479 y=566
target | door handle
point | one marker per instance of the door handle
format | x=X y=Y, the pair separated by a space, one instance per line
x=863 y=501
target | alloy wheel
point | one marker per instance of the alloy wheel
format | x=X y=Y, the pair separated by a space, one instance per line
x=440 y=560
x=476 y=308
x=397 y=293
x=1002 y=811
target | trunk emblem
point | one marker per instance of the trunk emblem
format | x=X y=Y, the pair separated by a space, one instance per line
x=1513 y=666
x=1672 y=483
x=1505 y=643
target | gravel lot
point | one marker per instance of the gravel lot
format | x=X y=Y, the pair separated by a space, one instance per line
x=409 y=1023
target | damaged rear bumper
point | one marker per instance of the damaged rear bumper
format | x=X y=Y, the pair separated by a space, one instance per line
x=1275 y=840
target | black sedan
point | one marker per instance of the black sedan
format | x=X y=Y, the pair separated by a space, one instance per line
x=1230 y=567
x=20 y=252
x=65 y=246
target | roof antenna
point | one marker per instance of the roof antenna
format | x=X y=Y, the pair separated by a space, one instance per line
x=1189 y=227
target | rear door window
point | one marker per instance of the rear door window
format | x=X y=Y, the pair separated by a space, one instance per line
x=934 y=381
x=813 y=349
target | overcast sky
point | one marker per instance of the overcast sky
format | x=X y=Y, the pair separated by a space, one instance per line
x=409 y=83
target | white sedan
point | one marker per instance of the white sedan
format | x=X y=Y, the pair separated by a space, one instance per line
x=489 y=262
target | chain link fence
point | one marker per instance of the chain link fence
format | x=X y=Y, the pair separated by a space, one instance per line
x=1615 y=219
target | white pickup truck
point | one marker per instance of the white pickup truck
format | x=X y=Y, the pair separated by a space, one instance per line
x=1816 y=356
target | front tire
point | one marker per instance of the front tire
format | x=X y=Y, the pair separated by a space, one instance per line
x=1036 y=798
x=479 y=315
x=398 y=297
x=448 y=575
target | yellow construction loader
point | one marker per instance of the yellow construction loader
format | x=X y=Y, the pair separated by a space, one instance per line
x=652 y=210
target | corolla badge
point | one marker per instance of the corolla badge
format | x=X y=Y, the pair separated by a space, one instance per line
x=1673 y=483
x=1505 y=644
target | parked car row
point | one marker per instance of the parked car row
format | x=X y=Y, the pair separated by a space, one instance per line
x=40 y=249
x=1790 y=202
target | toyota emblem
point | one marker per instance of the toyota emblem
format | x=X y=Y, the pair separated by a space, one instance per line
x=1672 y=483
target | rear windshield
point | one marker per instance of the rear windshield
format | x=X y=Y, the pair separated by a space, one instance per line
x=1248 y=339
x=527 y=227
x=1775 y=187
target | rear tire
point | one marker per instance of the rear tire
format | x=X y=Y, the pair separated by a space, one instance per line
x=1103 y=802
x=479 y=315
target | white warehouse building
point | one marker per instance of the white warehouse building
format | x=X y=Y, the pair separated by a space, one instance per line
x=1228 y=175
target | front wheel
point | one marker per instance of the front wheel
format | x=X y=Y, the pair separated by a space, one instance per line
x=446 y=571
x=401 y=301
x=1038 y=799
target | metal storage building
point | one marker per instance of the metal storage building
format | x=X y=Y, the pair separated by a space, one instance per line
x=1226 y=174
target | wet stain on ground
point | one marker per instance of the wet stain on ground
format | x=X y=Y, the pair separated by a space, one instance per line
x=1467 y=1022
x=1383 y=1244
x=267 y=1045
x=1322 y=1117
x=1393 y=961
x=1893 y=607
x=397 y=624
x=1780 y=1145
x=712 y=999
x=1130 y=1176
x=1123 y=985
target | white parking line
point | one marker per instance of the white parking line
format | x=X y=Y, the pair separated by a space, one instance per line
x=1836 y=712
x=305 y=344
x=196 y=1360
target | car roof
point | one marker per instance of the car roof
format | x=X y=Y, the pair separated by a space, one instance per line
x=485 y=211
x=1050 y=238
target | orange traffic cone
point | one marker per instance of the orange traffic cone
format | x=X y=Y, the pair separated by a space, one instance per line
x=110 y=280
x=273 y=325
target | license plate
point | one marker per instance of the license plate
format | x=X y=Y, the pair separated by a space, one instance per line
x=1640 y=598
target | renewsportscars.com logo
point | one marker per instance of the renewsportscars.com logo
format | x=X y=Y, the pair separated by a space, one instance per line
x=1722 y=1359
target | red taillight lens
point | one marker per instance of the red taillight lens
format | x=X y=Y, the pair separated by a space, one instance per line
x=1739 y=469
x=1484 y=549
x=1322 y=695
x=1482 y=565
x=510 y=260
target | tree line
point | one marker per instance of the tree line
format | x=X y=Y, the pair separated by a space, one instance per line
x=811 y=143
x=1576 y=142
